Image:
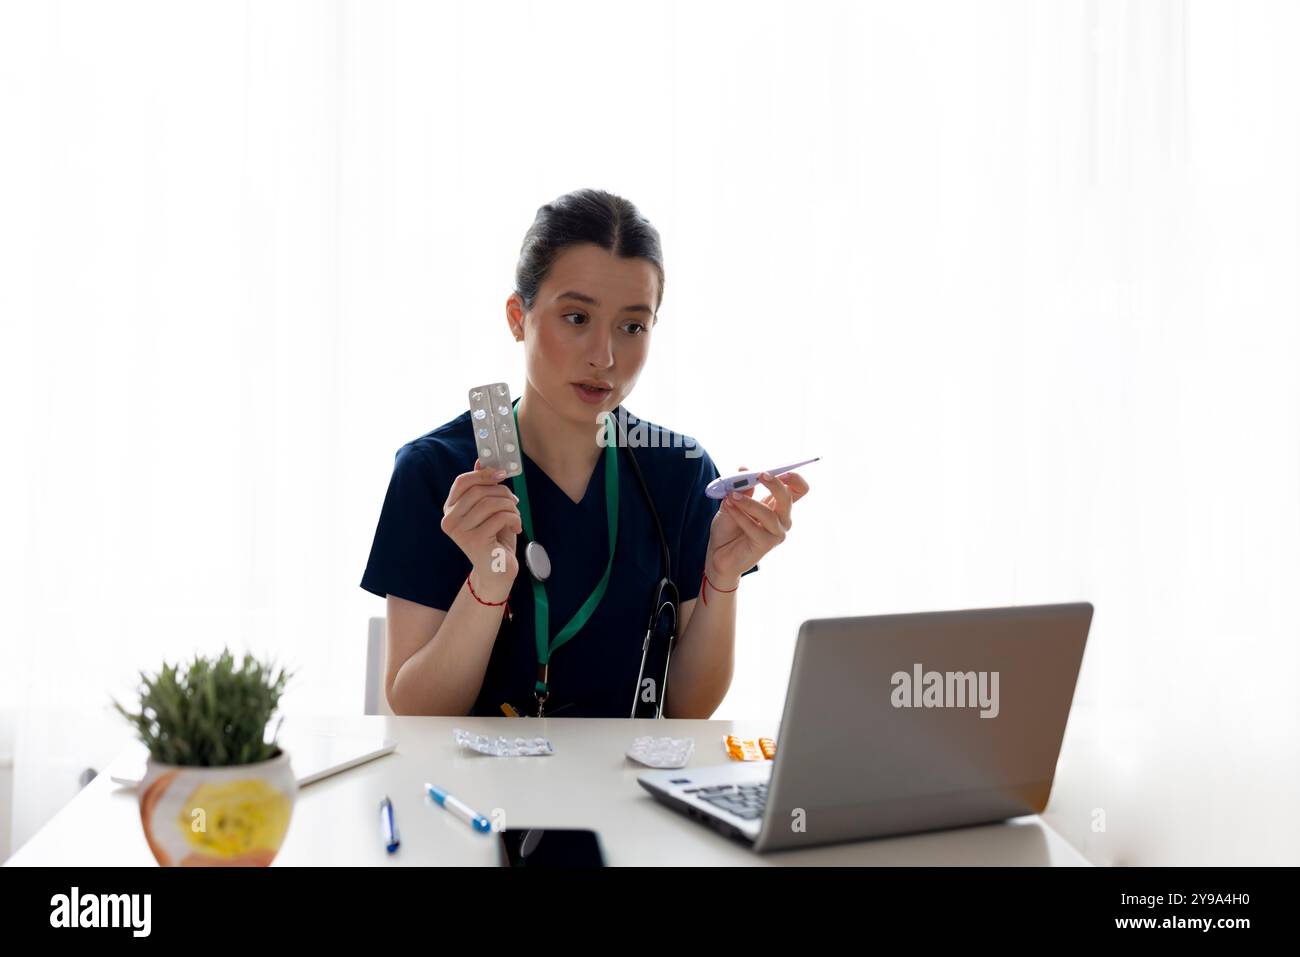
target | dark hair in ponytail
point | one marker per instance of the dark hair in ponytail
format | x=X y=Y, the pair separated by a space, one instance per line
x=585 y=216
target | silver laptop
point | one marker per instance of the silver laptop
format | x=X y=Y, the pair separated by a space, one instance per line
x=902 y=723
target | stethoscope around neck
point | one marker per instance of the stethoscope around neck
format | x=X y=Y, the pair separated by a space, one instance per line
x=661 y=628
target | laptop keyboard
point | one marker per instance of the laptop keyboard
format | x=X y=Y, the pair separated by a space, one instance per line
x=743 y=800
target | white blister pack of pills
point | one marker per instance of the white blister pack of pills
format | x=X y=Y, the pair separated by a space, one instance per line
x=661 y=752
x=502 y=746
x=492 y=416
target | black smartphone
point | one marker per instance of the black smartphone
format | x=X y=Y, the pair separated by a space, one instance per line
x=550 y=847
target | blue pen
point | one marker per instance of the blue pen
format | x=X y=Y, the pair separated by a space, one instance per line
x=387 y=826
x=461 y=810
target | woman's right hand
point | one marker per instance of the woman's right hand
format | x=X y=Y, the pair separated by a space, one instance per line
x=482 y=517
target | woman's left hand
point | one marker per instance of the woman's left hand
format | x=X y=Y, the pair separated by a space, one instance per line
x=743 y=530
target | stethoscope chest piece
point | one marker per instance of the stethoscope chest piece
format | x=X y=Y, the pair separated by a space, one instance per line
x=538 y=562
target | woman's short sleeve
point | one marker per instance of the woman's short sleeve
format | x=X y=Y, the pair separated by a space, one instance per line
x=696 y=525
x=411 y=556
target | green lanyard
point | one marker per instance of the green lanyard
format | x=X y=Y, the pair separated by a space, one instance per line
x=541 y=611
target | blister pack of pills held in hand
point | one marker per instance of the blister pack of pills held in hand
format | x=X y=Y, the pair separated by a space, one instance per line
x=661 y=752
x=492 y=416
x=502 y=746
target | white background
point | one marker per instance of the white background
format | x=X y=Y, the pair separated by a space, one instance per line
x=1025 y=274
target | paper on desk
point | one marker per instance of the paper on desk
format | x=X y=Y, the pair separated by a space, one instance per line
x=312 y=755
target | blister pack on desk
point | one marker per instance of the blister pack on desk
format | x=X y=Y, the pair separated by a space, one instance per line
x=502 y=746
x=748 y=749
x=661 y=752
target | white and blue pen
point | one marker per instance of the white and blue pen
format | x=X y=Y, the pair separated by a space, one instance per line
x=388 y=826
x=459 y=808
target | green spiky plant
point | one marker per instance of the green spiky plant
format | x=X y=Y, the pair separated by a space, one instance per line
x=214 y=714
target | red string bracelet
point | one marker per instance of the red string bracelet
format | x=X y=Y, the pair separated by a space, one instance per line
x=704 y=593
x=492 y=604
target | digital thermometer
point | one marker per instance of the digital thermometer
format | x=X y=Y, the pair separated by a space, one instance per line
x=724 y=484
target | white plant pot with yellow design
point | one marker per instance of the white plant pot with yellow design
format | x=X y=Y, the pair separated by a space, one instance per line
x=217 y=816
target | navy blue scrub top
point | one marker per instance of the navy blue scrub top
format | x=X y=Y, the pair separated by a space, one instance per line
x=594 y=673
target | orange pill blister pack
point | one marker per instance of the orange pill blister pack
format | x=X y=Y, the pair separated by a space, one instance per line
x=749 y=749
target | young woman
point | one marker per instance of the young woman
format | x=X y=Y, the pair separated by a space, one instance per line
x=469 y=630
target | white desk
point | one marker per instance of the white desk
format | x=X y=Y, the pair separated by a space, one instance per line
x=587 y=783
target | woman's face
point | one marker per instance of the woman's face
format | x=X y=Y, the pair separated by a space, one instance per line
x=590 y=323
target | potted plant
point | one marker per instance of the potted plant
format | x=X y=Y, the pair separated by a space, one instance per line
x=216 y=791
